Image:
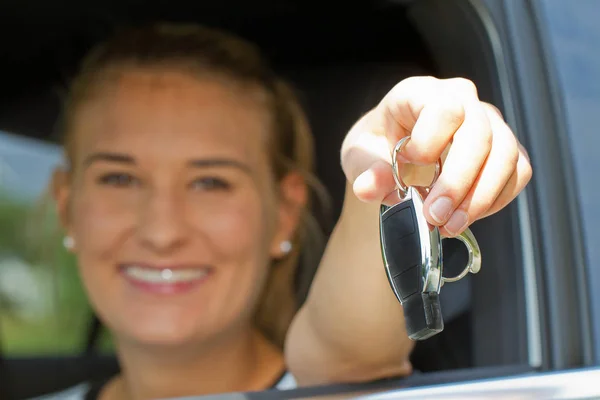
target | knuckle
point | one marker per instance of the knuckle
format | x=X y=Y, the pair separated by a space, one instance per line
x=527 y=171
x=414 y=84
x=523 y=151
x=468 y=85
x=507 y=144
x=452 y=111
x=419 y=79
x=493 y=109
x=463 y=85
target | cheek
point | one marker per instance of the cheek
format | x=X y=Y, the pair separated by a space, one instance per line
x=237 y=237
x=99 y=224
x=234 y=229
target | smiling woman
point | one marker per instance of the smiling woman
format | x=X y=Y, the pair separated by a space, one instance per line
x=186 y=202
x=186 y=185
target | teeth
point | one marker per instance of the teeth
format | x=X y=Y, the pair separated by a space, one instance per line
x=155 y=275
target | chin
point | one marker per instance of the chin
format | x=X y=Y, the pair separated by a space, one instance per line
x=173 y=328
x=200 y=314
x=160 y=337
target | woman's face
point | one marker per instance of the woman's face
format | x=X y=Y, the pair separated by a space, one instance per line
x=172 y=205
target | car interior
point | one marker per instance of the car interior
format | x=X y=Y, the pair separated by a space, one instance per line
x=341 y=61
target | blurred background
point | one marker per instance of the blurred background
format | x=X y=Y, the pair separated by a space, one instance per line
x=43 y=309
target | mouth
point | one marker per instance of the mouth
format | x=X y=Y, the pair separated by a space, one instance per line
x=165 y=280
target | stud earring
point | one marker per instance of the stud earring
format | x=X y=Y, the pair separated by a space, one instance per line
x=68 y=242
x=285 y=246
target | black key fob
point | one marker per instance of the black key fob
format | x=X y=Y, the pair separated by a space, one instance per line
x=412 y=255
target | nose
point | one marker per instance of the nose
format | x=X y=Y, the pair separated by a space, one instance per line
x=162 y=226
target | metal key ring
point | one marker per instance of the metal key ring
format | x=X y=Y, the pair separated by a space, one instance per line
x=474 y=263
x=402 y=188
x=466 y=237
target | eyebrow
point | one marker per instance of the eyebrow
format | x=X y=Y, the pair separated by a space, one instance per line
x=197 y=163
x=112 y=157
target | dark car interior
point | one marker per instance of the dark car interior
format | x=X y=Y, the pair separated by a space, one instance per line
x=342 y=60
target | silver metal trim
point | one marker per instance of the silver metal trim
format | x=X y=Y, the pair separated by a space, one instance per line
x=578 y=384
x=474 y=263
x=431 y=247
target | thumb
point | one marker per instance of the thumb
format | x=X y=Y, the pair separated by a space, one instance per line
x=375 y=183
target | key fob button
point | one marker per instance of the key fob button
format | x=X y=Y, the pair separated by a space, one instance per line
x=408 y=282
x=402 y=245
x=403 y=220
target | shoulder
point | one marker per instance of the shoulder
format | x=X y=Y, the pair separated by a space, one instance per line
x=286 y=382
x=73 y=393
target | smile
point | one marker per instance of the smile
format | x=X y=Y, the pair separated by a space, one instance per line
x=164 y=280
x=164 y=275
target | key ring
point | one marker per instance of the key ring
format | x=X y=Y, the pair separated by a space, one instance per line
x=402 y=188
x=474 y=263
x=466 y=237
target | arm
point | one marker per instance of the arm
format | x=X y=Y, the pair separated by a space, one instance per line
x=351 y=327
x=351 y=314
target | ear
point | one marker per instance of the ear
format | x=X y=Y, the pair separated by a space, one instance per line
x=293 y=199
x=61 y=193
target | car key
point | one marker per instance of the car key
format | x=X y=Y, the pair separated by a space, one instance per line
x=412 y=255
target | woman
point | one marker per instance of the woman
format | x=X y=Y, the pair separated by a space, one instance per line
x=185 y=202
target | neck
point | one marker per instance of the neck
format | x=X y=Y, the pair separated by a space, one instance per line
x=242 y=362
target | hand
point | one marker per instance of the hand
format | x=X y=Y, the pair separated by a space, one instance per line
x=484 y=166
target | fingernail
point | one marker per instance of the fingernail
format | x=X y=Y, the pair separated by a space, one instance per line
x=440 y=209
x=457 y=222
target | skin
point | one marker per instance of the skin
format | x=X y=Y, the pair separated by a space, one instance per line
x=355 y=332
x=164 y=176
x=171 y=213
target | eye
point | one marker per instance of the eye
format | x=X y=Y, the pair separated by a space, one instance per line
x=210 y=183
x=118 y=179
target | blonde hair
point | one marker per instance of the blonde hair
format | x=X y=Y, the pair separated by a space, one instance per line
x=199 y=49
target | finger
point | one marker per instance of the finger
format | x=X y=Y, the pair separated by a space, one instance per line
x=495 y=174
x=524 y=153
x=517 y=182
x=493 y=108
x=375 y=183
x=428 y=109
x=470 y=148
x=361 y=150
